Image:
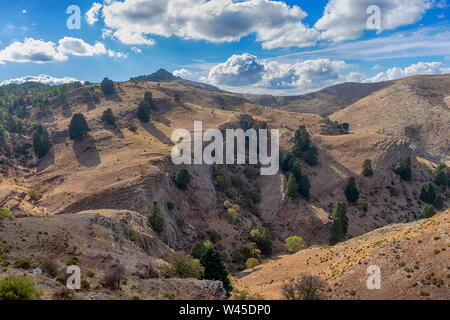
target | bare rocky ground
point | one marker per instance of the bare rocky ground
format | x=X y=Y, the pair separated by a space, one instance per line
x=100 y=239
x=91 y=198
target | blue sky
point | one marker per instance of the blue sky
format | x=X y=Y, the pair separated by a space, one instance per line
x=258 y=46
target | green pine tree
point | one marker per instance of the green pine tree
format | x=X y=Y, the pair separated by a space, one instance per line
x=108 y=117
x=41 y=141
x=312 y=157
x=292 y=187
x=215 y=268
x=287 y=161
x=182 y=178
x=367 y=170
x=428 y=193
x=439 y=203
x=403 y=169
x=143 y=112
x=302 y=141
x=304 y=186
x=339 y=225
x=155 y=218
x=3 y=135
x=427 y=212
x=78 y=127
x=351 y=191
x=442 y=176
x=107 y=87
x=148 y=98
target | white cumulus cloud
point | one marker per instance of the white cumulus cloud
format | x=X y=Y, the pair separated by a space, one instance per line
x=347 y=19
x=92 y=14
x=39 y=51
x=31 y=50
x=78 y=47
x=181 y=73
x=246 y=73
x=421 y=68
x=274 y=23
x=238 y=70
x=43 y=78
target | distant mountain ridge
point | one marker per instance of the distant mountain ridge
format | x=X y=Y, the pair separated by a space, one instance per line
x=324 y=102
x=161 y=75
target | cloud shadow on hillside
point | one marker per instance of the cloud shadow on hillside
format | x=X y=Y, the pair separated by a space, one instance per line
x=87 y=153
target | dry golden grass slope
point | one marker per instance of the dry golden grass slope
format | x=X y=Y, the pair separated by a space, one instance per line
x=415 y=108
x=414 y=259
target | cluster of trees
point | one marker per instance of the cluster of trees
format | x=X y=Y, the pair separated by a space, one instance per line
x=403 y=169
x=260 y=243
x=41 y=141
x=206 y=263
x=14 y=125
x=429 y=194
x=298 y=183
x=248 y=256
x=145 y=107
x=209 y=266
x=263 y=240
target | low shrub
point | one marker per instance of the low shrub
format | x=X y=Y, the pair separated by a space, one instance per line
x=23 y=263
x=17 y=288
x=113 y=277
x=72 y=262
x=170 y=205
x=201 y=248
x=5 y=213
x=50 y=267
x=231 y=215
x=294 y=244
x=305 y=287
x=251 y=263
x=182 y=265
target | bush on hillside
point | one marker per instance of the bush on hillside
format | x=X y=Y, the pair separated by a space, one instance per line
x=182 y=178
x=182 y=265
x=17 y=288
